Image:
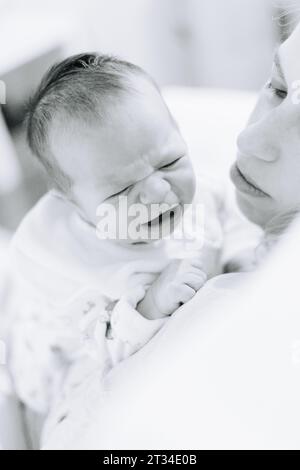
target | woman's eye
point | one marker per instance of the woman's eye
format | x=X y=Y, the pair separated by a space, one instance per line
x=280 y=93
x=171 y=164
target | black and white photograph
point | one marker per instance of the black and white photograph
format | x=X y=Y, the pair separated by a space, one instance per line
x=149 y=227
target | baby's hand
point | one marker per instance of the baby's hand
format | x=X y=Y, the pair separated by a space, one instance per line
x=175 y=286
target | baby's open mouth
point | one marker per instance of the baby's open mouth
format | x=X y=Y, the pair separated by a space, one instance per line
x=161 y=217
x=167 y=215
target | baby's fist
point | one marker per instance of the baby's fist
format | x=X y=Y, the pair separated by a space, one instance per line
x=175 y=286
x=178 y=284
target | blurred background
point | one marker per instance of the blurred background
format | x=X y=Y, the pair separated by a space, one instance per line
x=210 y=56
x=188 y=43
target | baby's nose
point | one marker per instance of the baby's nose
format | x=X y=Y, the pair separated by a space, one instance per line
x=154 y=191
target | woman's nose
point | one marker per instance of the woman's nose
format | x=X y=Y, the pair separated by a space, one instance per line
x=154 y=190
x=260 y=140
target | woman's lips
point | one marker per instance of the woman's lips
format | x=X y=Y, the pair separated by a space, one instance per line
x=243 y=184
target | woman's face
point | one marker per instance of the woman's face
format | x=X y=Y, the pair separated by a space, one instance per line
x=267 y=171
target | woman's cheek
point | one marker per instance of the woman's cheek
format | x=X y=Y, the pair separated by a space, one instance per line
x=265 y=103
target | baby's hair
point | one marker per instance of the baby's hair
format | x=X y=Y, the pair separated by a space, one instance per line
x=77 y=87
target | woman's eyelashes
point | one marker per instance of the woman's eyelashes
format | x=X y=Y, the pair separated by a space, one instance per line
x=277 y=90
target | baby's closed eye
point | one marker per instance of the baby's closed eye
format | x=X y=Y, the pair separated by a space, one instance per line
x=120 y=193
x=173 y=163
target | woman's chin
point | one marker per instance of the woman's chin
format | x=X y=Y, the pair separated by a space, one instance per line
x=256 y=210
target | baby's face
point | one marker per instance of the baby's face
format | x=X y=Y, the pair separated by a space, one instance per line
x=137 y=158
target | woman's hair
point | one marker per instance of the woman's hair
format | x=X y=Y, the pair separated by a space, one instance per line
x=286 y=16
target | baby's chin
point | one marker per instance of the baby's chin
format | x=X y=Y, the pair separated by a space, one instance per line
x=259 y=214
x=147 y=235
x=163 y=226
x=144 y=240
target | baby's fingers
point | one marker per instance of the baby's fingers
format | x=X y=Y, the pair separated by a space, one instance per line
x=196 y=263
x=185 y=293
x=190 y=265
x=195 y=280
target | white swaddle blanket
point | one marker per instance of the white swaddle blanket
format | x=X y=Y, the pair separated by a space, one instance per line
x=78 y=294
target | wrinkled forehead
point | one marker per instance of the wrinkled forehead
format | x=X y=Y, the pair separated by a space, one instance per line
x=139 y=130
x=289 y=53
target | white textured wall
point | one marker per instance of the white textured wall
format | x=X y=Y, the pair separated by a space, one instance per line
x=199 y=42
x=147 y=32
x=232 y=41
x=144 y=31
